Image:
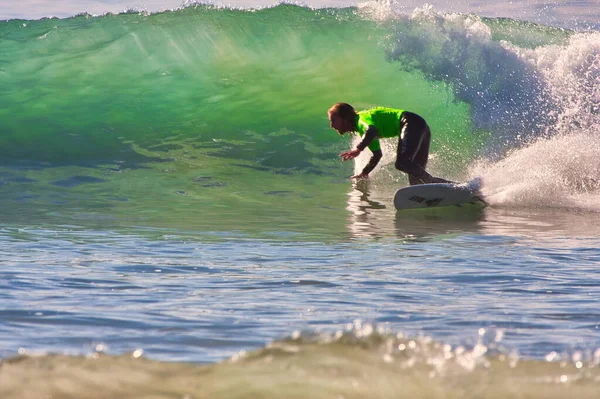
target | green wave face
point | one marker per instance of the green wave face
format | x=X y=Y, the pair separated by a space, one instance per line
x=87 y=89
x=152 y=115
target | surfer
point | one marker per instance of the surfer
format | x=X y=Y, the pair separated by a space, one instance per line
x=413 y=138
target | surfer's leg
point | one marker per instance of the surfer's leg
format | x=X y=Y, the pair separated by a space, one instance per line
x=422 y=156
x=413 y=149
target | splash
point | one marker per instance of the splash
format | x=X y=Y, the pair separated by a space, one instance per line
x=561 y=168
x=561 y=171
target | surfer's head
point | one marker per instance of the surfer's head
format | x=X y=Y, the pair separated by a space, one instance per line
x=342 y=117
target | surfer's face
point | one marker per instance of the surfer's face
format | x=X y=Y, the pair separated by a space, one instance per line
x=340 y=124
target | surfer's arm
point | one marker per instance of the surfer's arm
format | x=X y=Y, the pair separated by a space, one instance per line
x=370 y=135
x=375 y=158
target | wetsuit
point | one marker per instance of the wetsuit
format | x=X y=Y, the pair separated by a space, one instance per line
x=413 y=144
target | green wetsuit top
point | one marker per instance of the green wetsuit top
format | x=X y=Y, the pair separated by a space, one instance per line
x=386 y=120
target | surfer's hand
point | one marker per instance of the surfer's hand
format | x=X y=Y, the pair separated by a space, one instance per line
x=350 y=154
x=360 y=176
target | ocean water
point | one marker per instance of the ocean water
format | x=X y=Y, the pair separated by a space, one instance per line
x=176 y=222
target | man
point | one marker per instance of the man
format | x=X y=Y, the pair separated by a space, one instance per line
x=380 y=122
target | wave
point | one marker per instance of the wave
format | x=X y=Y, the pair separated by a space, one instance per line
x=254 y=85
x=364 y=361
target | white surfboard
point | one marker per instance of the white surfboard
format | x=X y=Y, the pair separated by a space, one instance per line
x=438 y=194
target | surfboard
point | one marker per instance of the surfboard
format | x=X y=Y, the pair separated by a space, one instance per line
x=438 y=195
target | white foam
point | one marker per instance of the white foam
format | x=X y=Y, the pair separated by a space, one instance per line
x=562 y=171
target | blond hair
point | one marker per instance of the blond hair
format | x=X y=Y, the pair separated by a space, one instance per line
x=344 y=111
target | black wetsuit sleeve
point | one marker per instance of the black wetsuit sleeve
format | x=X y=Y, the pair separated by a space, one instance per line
x=373 y=162
x=369 y=136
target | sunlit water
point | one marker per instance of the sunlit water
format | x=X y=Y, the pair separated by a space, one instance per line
x=176 y=222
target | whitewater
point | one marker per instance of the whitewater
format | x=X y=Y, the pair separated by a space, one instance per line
x=176 y=221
